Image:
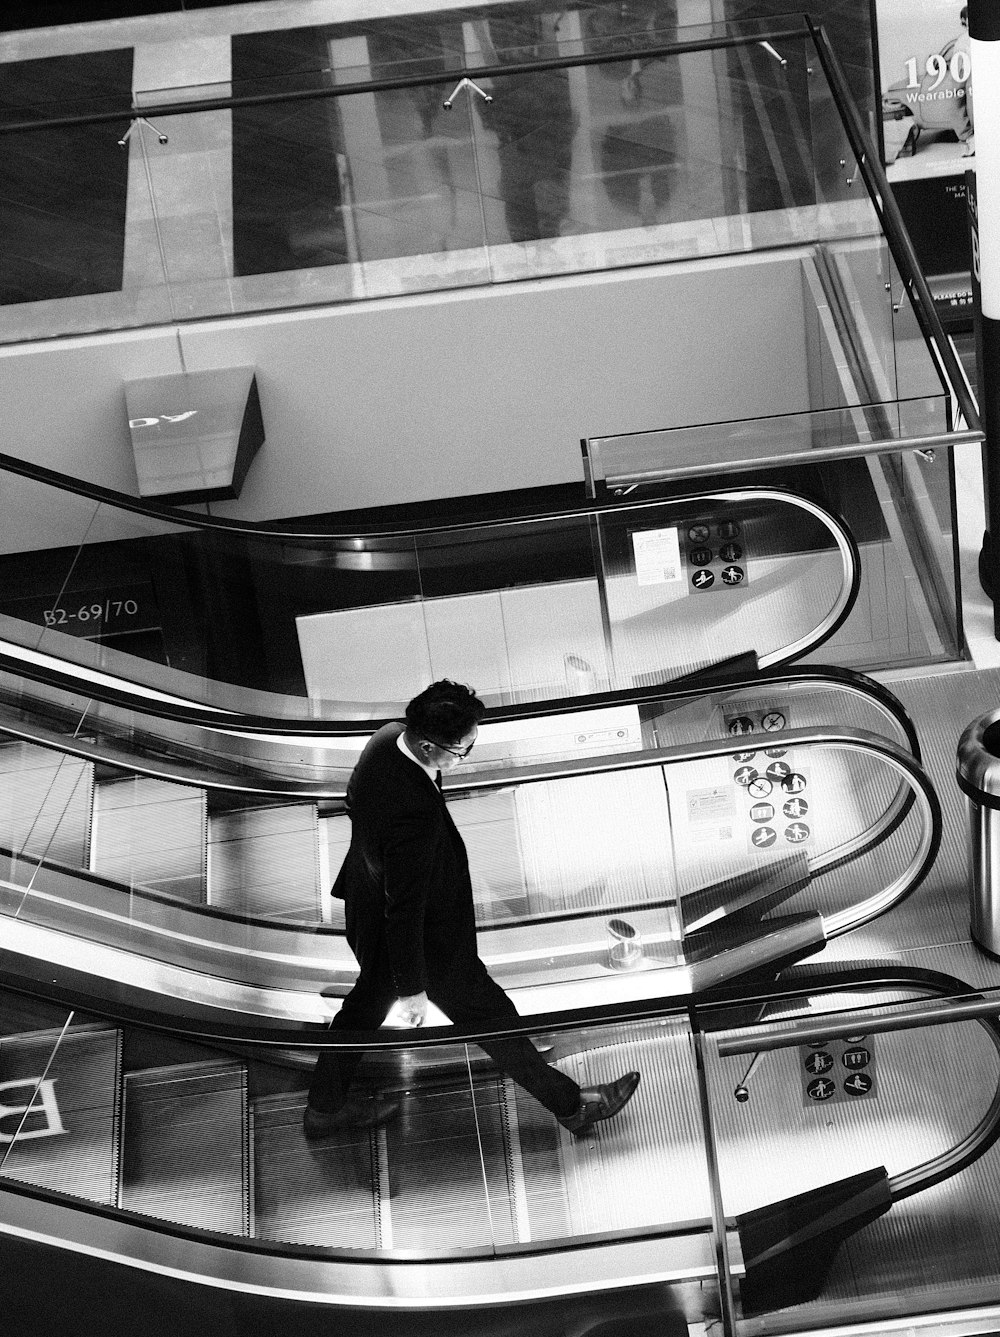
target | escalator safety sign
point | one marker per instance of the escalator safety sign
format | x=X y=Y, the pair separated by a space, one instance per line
x=711 y=814
x=657 y=555
x=839 y=1071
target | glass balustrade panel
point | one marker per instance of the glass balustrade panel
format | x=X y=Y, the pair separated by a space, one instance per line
x=870 y=1193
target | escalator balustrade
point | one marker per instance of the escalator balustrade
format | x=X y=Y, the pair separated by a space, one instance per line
x=181 y=1148
x=269 y=621
x=709 y=861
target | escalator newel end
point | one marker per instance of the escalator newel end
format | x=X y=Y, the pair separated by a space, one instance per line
x=789 y=1246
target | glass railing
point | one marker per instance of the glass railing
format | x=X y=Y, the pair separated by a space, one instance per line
x=788 y=1152
x=895 y=490
x=282 y=759
x=574 y=151
x=268 y=621
x=892 y=1104
x=655 y=849
x=836 y=343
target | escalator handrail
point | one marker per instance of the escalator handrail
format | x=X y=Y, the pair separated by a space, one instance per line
x=832 y=620
x=807 y=981
x=278 y=532
x=929 y=831
x=677 y=691
x=964 y=1003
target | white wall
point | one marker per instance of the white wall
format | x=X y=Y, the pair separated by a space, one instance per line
x=421 y=397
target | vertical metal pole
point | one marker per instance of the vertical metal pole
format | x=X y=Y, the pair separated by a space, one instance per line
x=984 y=34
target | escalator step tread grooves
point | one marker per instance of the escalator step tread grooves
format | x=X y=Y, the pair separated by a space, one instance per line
x=45 y=802
x=183 y=1145
x=69 y=1139
x=151 y=833
x=266 y=862
x=315 y=1193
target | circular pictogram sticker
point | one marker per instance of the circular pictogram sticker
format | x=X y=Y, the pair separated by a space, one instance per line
x=820 y=1088
x=858 y=1084
x=741 y=724
x=819 y=1061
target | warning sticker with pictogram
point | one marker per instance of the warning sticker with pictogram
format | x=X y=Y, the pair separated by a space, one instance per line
x=716 y=555
x=839 y=1070
x=771 y=779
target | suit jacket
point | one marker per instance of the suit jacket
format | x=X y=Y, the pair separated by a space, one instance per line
x=406 y=879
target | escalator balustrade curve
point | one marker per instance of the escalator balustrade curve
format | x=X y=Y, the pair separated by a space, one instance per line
x=271 y=621
x=135 y=1147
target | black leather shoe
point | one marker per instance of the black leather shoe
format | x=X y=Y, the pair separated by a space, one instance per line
x=355 y=1114
x=601 y=1102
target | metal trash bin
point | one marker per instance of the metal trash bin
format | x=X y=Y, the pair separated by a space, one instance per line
x=979 y=779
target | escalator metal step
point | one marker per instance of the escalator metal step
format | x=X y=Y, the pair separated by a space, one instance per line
x=68 y=1138
x=185 y=1145
x=326 y=1192
x=449 y=1181
x=45 y=803
x=151 y=833
x=266 y=862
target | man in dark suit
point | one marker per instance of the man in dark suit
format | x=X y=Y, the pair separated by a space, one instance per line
x=411 y=920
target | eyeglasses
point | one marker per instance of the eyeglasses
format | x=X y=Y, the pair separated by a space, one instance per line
x=455 y=751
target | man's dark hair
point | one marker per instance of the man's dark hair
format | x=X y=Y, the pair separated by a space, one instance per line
x=444 y=712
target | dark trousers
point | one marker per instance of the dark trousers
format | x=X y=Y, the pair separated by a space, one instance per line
x=475 y=1002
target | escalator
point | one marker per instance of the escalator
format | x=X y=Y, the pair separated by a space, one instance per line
x=144 y=1165
x=275 y=623
x=651 y=849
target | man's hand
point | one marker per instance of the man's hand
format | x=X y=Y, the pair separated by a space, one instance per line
x=414 y=1008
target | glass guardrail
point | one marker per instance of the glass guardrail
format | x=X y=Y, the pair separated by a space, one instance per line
x=644 y=874
x=276 y=623
x=864 y=1105
x=575 y=150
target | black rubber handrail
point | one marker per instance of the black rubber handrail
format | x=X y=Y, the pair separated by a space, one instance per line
x=216 y=1023
x=690 y=686
x=799 y=982
x=844 y=977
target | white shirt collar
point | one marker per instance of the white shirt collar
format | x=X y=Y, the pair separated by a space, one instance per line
x=431 y=770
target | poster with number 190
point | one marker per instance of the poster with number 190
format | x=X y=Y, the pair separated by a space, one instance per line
x=928 y=113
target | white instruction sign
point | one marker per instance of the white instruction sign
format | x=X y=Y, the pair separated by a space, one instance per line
x=657 y=556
